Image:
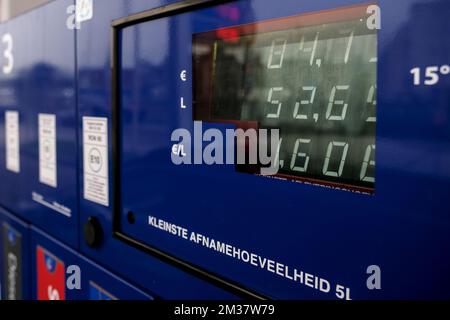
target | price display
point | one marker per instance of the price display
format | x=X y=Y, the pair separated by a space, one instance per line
x=313 y=77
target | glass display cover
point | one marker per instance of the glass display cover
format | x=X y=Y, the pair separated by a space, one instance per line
x=312 y=76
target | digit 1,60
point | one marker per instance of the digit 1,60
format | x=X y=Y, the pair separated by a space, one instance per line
x=333 y=146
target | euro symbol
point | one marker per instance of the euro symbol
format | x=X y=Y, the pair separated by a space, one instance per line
x=183 y=75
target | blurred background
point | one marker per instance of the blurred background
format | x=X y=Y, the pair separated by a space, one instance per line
x=11 y=8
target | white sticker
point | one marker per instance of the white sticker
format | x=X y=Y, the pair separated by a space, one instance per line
x=95 y=160
x=84 y=10
x=47 y=150
x=12 y=143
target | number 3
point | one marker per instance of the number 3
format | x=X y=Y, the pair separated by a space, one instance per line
x=7 y=39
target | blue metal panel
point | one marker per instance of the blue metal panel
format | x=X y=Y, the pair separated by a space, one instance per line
x=42 y=82
x=12 y=195
x=331 y=234
x=96 y=282
x=15 y=271
x=93 y=56
x=103 y=285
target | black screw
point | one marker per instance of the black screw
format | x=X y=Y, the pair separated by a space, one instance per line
x=131 y=217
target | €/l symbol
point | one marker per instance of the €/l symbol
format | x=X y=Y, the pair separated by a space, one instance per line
x=183 y=75
x=178 y=149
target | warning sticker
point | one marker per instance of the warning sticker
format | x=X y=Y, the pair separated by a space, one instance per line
x=12 y=141
x=51 y=276
x=95 y=160
x=47 y=150
x=84 y=10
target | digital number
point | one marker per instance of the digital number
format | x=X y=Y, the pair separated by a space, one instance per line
x=371 y=99
x=334 y=102
x=349 y=44
x=310 y=49
x=297 y=114
x=277 y=161
x=297 y=155
x=277 y=49
x=7 y=40
x=276 y=102
x=366 y=163
x=331 y=146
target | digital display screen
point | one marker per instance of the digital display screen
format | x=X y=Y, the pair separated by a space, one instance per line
x=312 y=76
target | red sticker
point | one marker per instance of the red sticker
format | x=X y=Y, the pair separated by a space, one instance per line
x=51 y=282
